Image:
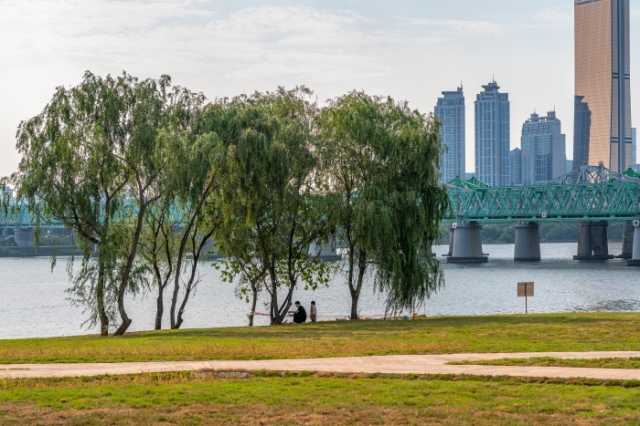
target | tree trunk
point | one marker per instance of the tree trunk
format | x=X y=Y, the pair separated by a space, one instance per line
x=354 y=306
x=355 y=291
x=254 y=302
x=183 y=305
x=104 y=319
x=352 y=289
x=126 y=321
x=273 y=312
x=159 y=308
x=104 y=324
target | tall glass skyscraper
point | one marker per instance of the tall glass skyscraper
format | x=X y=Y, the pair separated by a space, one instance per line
x=602 y=84
x=492 y=128
x=542 y=138
x=450 y=110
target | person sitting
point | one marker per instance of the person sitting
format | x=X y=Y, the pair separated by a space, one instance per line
x=299 y=315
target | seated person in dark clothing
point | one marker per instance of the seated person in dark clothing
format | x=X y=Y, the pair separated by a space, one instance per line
x=299 y=315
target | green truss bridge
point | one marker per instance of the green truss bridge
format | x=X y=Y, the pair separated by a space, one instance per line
x=590 y=195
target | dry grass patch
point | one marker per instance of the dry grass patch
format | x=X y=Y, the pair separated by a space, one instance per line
x=194 y=398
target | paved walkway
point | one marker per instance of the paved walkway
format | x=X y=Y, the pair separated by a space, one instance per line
x=398 y=364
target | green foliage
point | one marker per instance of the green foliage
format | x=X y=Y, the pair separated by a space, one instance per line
x=381 y=160
x=147 y=176
x=272 y=211
x=93 y=160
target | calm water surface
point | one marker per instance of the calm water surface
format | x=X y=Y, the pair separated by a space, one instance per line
x=33 y=299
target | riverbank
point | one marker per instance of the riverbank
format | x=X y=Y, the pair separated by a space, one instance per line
x=483 y=334
x=200 y=397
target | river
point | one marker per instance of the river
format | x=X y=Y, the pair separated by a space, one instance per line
x=33 y=302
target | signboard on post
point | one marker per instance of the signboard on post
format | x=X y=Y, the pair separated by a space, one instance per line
x=525 y=290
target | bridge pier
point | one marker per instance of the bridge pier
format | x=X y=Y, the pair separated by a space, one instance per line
x=467 y=244
x=23 y=237
x=627 y=240
x=326 y=252
x=592 y=241
x=635 y=257
x=527 y=248
x=451 y=233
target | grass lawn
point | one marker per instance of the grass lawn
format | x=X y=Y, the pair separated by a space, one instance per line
x=628 y=363
x=509 y=333
x=195 y=399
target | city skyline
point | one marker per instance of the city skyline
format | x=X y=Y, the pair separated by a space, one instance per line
x=410 y=50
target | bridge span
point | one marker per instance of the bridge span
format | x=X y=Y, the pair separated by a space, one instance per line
x=592 y=196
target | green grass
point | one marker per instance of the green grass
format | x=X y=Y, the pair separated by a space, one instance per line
x=512 y=333
x=195 y=399
x=628 y=363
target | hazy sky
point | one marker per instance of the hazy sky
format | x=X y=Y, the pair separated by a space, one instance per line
x=411 y=50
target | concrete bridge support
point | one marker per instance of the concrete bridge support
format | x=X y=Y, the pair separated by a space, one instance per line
x=592 y=241
x=527 y=242
x=23 y=237
x=627 y=240
x=451 y=232
x=326 y=252
x=635 y=257
x=467 y=244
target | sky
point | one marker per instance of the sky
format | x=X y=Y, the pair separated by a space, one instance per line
x=408 y=49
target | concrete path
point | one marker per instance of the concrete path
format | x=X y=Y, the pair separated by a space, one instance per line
x=398 y=364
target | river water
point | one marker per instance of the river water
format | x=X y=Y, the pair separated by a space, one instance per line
x=33 y=299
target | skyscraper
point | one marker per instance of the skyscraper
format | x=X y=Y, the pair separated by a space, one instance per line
x=515 y=167
x=542 y=137
x=602 y=84
x=451 y=111
x=492 y=135
x=634 y=147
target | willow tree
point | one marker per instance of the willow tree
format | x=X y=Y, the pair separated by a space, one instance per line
x=198 y=170
x=381 y=162
x=93 y=160
x=274 y=202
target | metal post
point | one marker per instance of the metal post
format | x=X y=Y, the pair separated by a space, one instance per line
x=526 y=300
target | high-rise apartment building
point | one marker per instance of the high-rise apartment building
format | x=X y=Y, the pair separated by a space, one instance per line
x=542 y=138
x=515 y=167
x=602 y=119
x=492 y=134
x=569 y=167
x=451 y=112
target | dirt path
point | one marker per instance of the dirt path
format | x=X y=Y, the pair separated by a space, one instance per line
x=398 y=364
